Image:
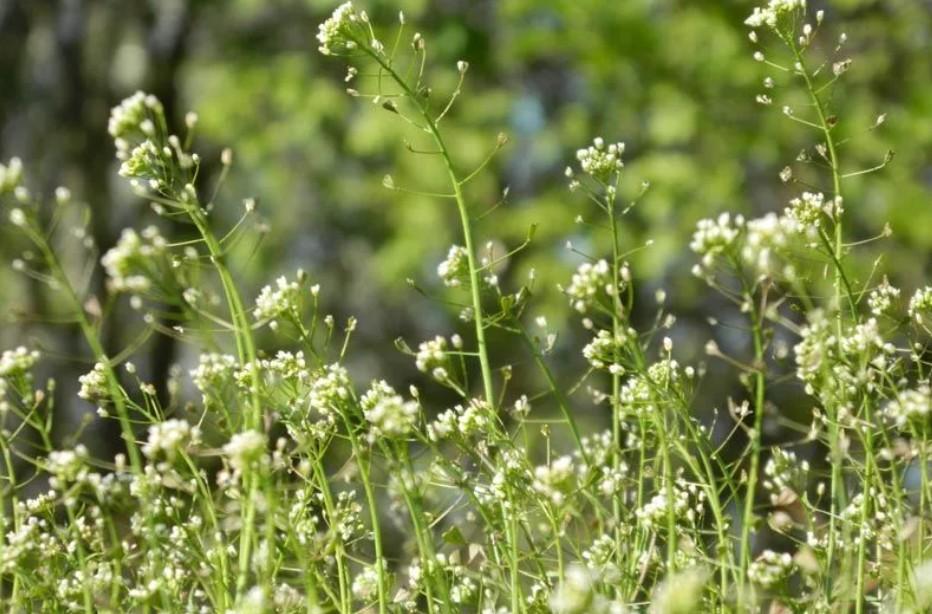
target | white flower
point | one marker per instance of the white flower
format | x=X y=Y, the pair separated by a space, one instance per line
x=272 y=303
x=170 y=437
x=130 y=263
x=555 y=481
x=920 y=304
x=713 y=237
x=11 y=175
x=388 y=413
x=431 y=354
x=910 y=405
x=574 y=593
x=809 y=211
x=211 y=371
x=881 y=298
x=588 y=284
x=67 y=466
x=680 y=592
x=601 y=162
x=603 y=350
x=771 y=568
x=334 y=35
x=770 y=15
x=244 y=448
x=94 y=384
x=455 y=268
x=127 y=120
x=366 y=583
x=330 y=389
x=17 y=362
x=473 y=419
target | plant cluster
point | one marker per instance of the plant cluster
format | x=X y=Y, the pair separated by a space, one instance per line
x=266 y=478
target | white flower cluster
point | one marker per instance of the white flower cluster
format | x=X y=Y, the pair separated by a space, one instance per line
x=170 y=438
x=920 y=304
x=128 y=262
x=687 y=504
x=588 y=284
x=643 y=395
x=388 y=413
x=555 y=480
x=599 y=161
x=809 y=211
x=145 y=161
x=455 y=268
x=784 y=471
x=837 y=367
x=603 y=350
x=18 y=362
x=757 y=241
x=714 y=237
x=244 y=448
x=272 y=303
x=600 y=558
x=881 y=298
x=94 y=385
x=474 y=419
x=812 y=349
x=770 y=15
x=212 y=370
x=335 y=34
x=366 y=583
x=10 y=175
x=680 y=592
x=771 y=568
x=910 y=406
x=764 y=237
x=67 y=466
x=432 y=358
x=133 y=118
x=574 y=595
x=286 y=365
x=330 y=389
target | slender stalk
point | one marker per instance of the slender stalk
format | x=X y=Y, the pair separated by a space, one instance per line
x=838 y=494
x=92 y=338
x=246 y=351
x=465 y=223
x=330 y=509
x=372 y=503
x=747 y=519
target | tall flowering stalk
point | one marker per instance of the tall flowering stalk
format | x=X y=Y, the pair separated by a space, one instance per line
x=350 y=33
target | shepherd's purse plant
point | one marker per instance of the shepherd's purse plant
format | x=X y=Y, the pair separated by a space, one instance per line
x=265 y=478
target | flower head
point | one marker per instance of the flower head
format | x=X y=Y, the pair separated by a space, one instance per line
x=599 y=161
x=10 y=175
x=455 y=268
x=771 y=14
x=244 y=448
x=17 y=362
x=335 y=35
x=387 y=412
x=170 y=437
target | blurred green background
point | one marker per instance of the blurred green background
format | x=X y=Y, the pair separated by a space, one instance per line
x=674 y=79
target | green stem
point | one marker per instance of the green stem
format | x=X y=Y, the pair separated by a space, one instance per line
x=465 y=222
x=372 y=503
x=93 y=341
x=747 y=520
x=342 y=572
x=838 y=494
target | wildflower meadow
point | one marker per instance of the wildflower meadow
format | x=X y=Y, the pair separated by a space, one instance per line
x=555 y=440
